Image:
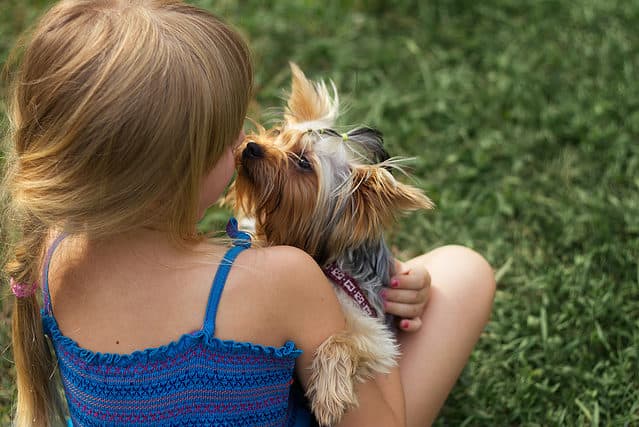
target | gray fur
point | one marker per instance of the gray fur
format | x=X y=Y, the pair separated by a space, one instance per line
x=372 y=263
x=372 y=266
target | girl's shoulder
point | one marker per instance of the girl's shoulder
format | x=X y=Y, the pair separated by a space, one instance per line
x=287 y=274
x=281 y=263
x=274 y=289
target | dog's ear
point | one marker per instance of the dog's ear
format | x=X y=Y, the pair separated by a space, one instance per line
x=310 y=105
x=378 y=199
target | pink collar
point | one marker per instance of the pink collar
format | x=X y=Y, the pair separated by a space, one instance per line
x=350 y=286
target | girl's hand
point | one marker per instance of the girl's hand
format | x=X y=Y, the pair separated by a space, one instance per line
x=407 y=295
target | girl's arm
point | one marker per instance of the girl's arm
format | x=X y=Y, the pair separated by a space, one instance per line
x=312 y=314
x=386 y=388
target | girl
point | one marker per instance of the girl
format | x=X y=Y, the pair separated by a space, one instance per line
x=124 y=115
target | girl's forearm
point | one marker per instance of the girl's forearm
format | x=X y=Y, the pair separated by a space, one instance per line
x=381 y=403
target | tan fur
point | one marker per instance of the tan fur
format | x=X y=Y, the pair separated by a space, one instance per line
x=309 y=101
x=376 y=347
x=331 y=388
x=277 y=174
x=377 y=203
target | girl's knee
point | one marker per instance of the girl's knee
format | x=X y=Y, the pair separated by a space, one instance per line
x=471 y=263
x=463 y=271
x=474 y=269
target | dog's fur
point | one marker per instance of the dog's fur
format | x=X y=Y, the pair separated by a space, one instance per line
x=331 y=195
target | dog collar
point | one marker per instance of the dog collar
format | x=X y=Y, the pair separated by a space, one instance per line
x=349 y=285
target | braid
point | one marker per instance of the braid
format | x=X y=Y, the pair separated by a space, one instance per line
x=27 y=251
x=39 y=401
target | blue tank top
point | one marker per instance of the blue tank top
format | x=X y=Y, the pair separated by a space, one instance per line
x=196 y=380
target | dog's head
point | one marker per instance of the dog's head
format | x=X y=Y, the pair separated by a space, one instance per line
x=311 y=187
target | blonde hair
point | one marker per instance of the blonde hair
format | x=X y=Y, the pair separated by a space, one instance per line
x=117 y=110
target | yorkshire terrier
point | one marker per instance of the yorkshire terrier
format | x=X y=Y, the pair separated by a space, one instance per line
x=331 y=195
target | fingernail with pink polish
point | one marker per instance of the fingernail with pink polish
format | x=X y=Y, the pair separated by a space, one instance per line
x=404 y=324
x=394 y=283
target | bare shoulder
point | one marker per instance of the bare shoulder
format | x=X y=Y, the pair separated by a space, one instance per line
x=302 y=295
x=285 y=290
x=291 y=274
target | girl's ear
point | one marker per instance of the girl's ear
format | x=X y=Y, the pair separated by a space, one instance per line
x=310 y=106
x=378 y=199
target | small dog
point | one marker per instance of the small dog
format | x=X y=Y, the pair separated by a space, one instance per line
x=331 y=195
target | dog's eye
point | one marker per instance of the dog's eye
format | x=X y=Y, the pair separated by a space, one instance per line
x=303 y=163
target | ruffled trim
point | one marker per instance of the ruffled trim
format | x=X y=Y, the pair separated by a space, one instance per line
x=288 y=350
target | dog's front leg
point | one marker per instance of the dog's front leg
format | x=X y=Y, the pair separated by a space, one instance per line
x=363 y=350
x=375 y=344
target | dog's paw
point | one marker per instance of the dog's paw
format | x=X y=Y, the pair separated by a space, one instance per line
x=331 y=384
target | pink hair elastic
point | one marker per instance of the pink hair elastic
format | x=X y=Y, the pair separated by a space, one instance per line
x=22 y=290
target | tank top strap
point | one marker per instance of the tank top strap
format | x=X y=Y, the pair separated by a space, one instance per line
x=46 y=297
x=241 y=241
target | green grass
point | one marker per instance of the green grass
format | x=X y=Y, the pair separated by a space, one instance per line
x=524 y=118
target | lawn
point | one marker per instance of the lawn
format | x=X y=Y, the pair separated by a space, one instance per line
x=523 y=118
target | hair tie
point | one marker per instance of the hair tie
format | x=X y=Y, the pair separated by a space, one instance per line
x=21 y=289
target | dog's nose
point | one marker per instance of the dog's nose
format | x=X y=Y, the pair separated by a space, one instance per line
x=252 y=151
